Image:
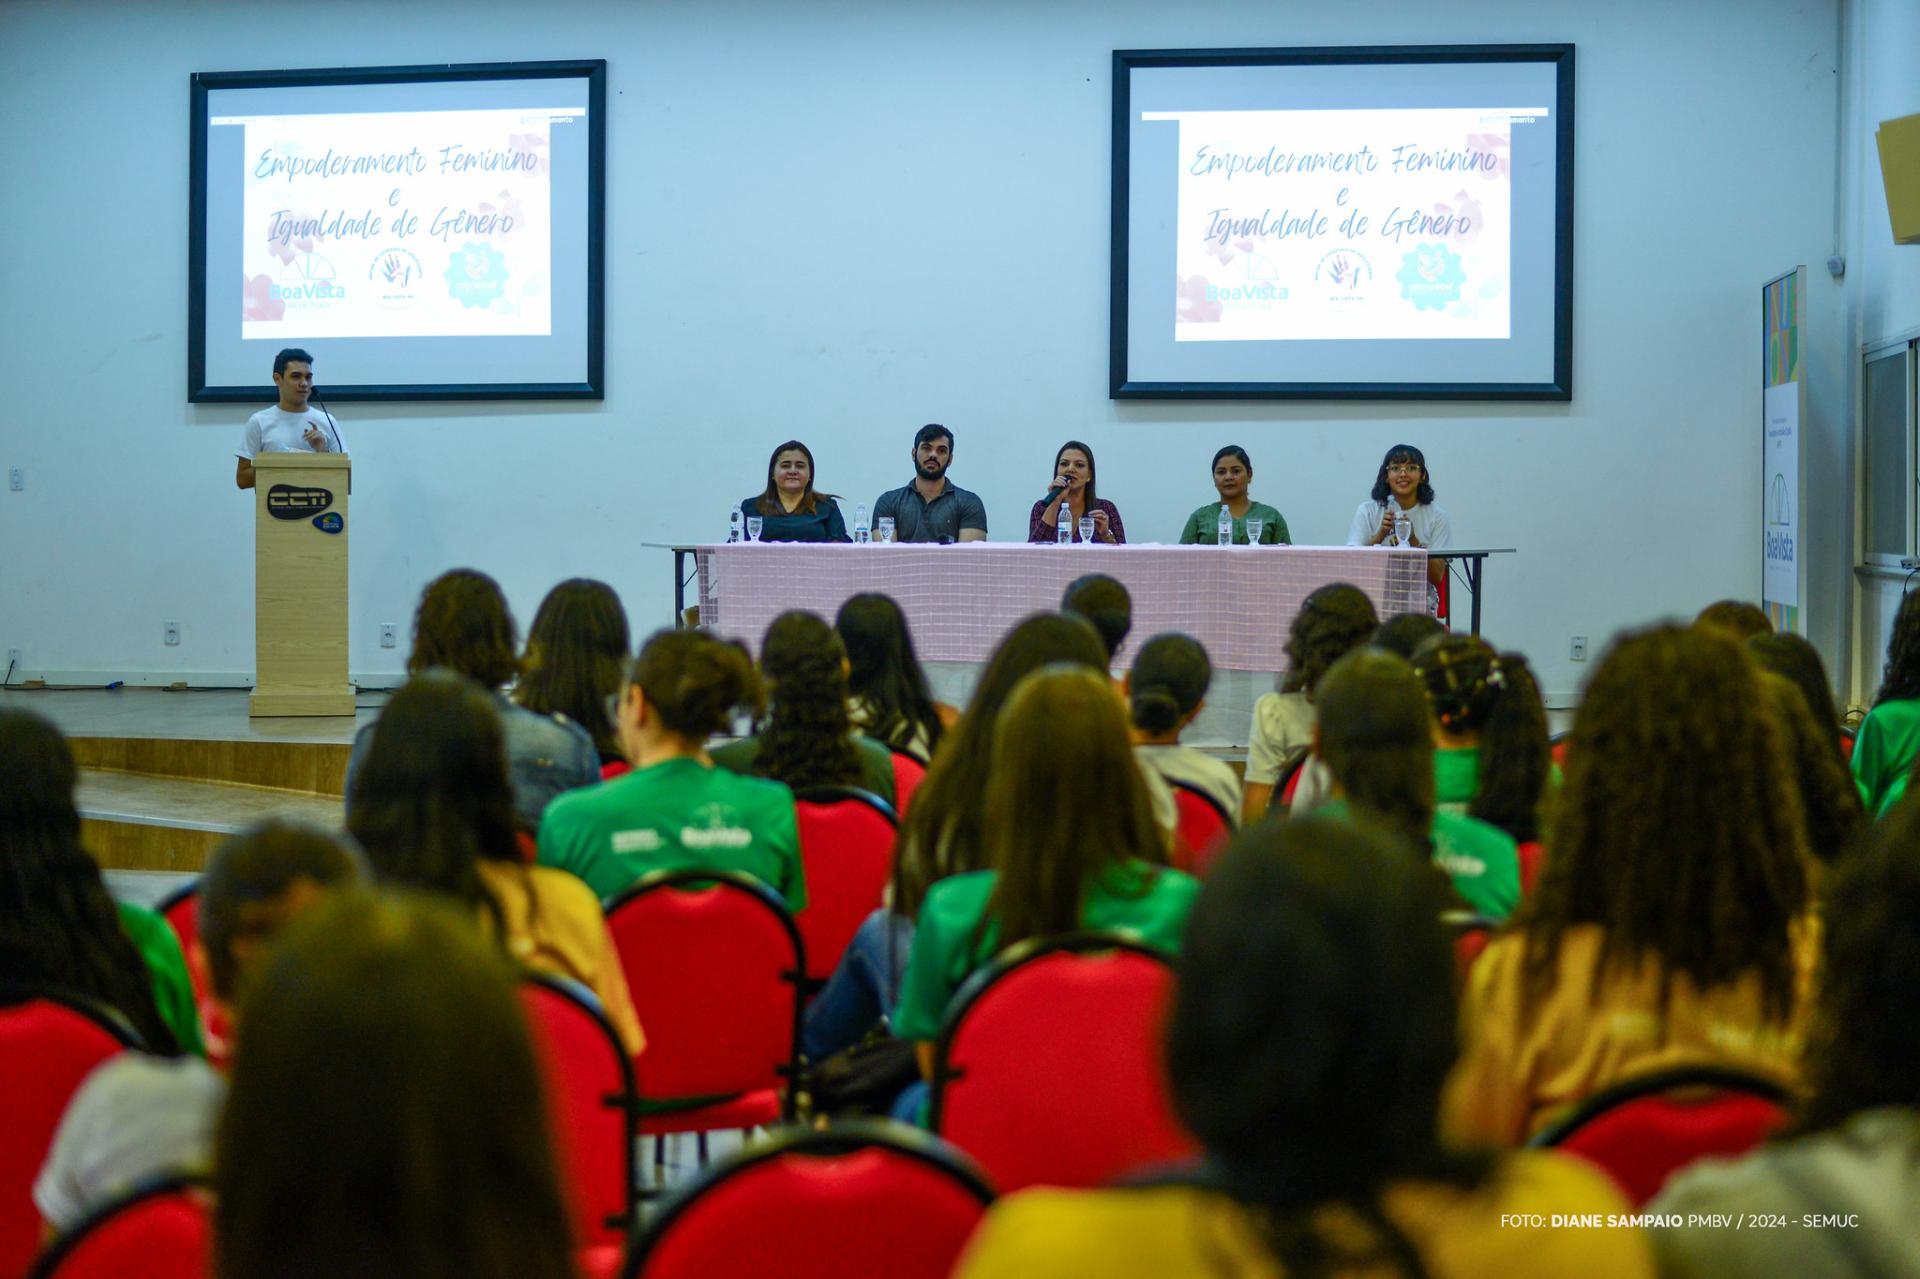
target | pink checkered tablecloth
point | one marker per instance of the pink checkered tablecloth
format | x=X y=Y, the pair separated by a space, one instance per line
x=959 y=600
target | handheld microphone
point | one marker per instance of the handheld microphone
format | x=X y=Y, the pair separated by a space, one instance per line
x=337 y=446
x=1053 y=494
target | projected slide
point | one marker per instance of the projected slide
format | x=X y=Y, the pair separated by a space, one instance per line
x=1327 y=223
x=1317 y=225
x=416 y=224
x=426 y=233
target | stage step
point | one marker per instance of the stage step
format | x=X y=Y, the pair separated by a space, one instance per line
x=136 y=822
x=312 y=768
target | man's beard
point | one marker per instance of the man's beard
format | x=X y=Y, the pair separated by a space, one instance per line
x=933 y=470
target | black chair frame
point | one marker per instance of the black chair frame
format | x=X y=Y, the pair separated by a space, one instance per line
x=1724 y=1078
x=51 y=1258
x=99 y=1012
x=842 y=1137
x=189 y=889
x=844 y=794
x=627 y=1100
x=1003 y=965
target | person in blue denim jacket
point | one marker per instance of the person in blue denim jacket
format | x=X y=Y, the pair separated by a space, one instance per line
x=463 y=625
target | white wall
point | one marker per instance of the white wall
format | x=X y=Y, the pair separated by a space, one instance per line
x=838 y=221
x=1883 y=300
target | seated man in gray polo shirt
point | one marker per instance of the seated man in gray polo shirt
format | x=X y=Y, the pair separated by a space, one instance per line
x=933 y=508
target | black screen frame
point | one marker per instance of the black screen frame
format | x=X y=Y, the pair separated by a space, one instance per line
x=594 y=71
x=1560 y=387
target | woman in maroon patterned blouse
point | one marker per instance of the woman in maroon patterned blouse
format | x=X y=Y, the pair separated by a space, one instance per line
x=1072 y=492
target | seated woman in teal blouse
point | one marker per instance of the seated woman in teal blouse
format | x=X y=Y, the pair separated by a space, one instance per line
x=1232 y=476
x=789 y=509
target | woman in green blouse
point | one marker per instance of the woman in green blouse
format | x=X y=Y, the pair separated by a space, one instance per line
x=1232 y=476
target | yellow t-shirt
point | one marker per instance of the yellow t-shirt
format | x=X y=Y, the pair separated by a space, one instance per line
x=1178 y=1230
x=1520 y=1070
x=554 y=924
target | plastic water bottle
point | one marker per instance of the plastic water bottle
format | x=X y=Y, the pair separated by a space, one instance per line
x=862 y=534
x=1402 y=527
x=1063 y=532
x=734 y=523
x=1226 y=525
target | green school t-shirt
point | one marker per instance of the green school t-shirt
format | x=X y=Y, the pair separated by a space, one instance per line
x=1150 y=903
x=876 y=762
x=159 y=948
x=676 y=815
x=1883 y=751
x=1204 y=526
x=1482 y=860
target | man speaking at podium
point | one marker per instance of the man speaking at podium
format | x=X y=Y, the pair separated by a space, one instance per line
x=287 y=427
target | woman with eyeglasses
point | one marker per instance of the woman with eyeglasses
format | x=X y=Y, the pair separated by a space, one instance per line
x=1403 y=487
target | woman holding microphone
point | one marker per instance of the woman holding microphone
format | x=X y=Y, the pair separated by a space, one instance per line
x=1403 y=491
x=1071 y=497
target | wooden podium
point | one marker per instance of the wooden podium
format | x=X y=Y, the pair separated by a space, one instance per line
x=300 y=585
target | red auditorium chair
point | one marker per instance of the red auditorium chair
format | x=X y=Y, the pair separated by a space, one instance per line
x=715 y=964
x=1642 y=1131
x=1048 y=1069
x=1530 y=854
x=908 y=773
x=1201 y=831
x=865 y=1197
x=846 y=846
x=49 y=1042
x=181 y=909
x=1557 y=745
x=163 y=1230
x=592 y=1103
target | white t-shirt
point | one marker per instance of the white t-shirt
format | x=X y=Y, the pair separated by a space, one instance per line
x=275 y=430
x=1213 y=777
x=133 y=1118
x=1430 y=525
x=1282 y=724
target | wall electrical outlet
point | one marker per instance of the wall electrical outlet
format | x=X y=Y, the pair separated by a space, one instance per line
x=389 y=635
x=14 y=658
x=16 y=478
x=1577 y=649
x=171 y=633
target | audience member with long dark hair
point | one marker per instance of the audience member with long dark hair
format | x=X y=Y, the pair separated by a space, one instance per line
x=138 y=1116
x=1404 y=633
x=806 y=737
x=944 y=832
x=1311 y=1034
x=463 y=625
x=58 y=924
x=434 y=811
x=676 y=810
x=888 y=696
x=1829 y=801
x=1375 y=734
x=1492 y=758
x=1166 y=688
x=1332 y=621
x=1742 y=620
x=1079 y=849
x=1670 y=925
x=1793 y=656
x=1854 y=1148
x=577 y=652
x=387 y=1118
x=1889 y=738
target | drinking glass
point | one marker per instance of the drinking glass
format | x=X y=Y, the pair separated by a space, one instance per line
x=1086 y=528
x=1254 y=526
x=884 y=533
x=754 y=525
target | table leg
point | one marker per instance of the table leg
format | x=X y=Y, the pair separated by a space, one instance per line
x=1476 y=573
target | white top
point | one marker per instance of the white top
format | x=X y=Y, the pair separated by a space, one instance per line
x=275 y=430
x=133 y=1118
x=1430 y=524
x=1282 y=723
